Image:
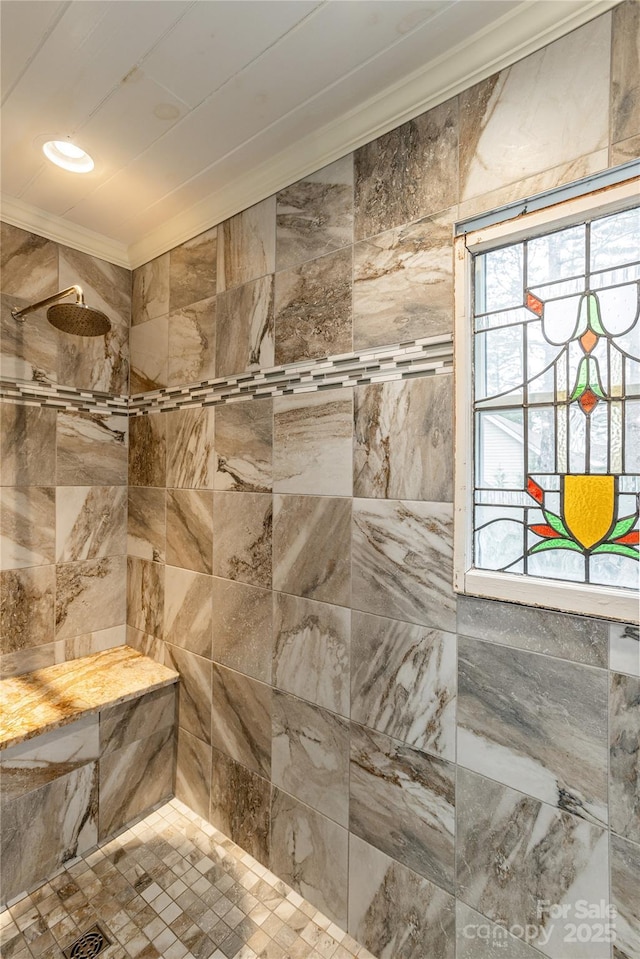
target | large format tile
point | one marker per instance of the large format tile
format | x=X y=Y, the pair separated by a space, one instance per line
x=147 y=525
x=192 y=270
x=311 y=547
x=311 y=651
x=27 y=660
x=193 y=772
x=145 y=595
x=625 y=70
x=241 y=719
x=242 y=628
x=530 y=725
x=624 y=648
x=403 y=802
x=625 y=869
x=310 y=852
x=29 y=264
x=403 y=283
x=514 y=124
x=244 y=328
x=313 y=315
x=242 y=525
x=310 y=755
x=538 y=630
x=408 y=173
x=241 y=805
x=147 y=450
x=403 y=682
x=515 y=852
x=149 y=355
x=192 y=343
x=194 y=690
x=403 y=442
x=403 y=561
x=189 y=529
x=92 y=449
x=188 y=614
x=91 y=522
x=150 y=296
x=246 y=245
x=479 y=938
x=624 y=750
x=28 y=347
x=190 y=448
x=27 y=445
x=27 y=526
x=394 y=912
x=243 y=442
x=315 y=215
x=90 y=594
x=27 y=608
x=94 y=641
x=138 y=718
x=312 y=443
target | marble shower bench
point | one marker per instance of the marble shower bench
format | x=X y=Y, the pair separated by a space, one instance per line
x=85 y=747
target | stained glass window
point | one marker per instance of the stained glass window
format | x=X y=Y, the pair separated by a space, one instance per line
x=556 y=404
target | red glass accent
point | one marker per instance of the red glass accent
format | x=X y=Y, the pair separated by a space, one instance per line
x=534 y=304
x=543 y=530
x=632 y=538
x=588 y=401
x=535 y=491
x=588 y=340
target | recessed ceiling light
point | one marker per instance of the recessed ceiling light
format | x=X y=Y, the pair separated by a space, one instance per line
x=68 y=156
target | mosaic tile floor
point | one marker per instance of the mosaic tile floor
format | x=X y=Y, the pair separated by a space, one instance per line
x=171 y=886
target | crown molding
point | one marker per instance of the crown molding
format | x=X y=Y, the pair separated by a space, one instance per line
x=522 y=31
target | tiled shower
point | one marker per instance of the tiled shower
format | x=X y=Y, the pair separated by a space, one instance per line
x=344 y=717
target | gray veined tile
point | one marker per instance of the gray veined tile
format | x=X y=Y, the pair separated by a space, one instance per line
x=479 y=938
x=403 y=440
x=624 y=758
x=190 y=448
x=246 y=245
x=244 y=442
x=242 y=531
x=312 y=443
x=146 y=523
x=625 y=68
x=241 y=805
x=149 y=355
x=27 y=445
x=241 y=719
x=28 y=347
x=313 y=313
x=395 y=913
x=625 y=869
x=189 y=529
x=188 y=611
x=27 y=526
x=244 y=327
x=403 y=802
x=27 y=608
x=408 y=173
x=147 y=450
x=29 y=264
x=91 y=522
x=90 y=595
x=530 y=725
x=312 y=651
x=192 y=270
x=310 y=755
x=192 y=343
x=403 y=561
x=315 y=215
x=403 y=682
x=193 y=772
x=311 y=547
x=515 y=852
x=242 y=628
x=194 y=690
x=150 y=297
x=624 y=648
x=92 y=449
x=145 y=596
x=624 y=150
x=310 y=853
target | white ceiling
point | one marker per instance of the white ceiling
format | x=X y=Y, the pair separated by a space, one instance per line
x=194 y=109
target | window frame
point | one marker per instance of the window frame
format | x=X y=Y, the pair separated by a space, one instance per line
x=588 y=599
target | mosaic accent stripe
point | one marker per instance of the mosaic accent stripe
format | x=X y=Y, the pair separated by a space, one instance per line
x=424 y=357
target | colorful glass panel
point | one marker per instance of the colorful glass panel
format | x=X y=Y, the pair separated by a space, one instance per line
x=557 y=419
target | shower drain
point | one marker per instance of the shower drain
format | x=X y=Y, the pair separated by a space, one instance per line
x=89 y=944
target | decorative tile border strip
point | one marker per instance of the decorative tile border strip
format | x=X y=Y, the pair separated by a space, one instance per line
x=424 y=357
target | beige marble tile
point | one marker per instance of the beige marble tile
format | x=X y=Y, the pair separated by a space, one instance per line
x=241 y=719
x=27 y=526
x=91 y=522
x=28 y=263
x=312 y=443
x=313 y=315
x=194 y=706
x=193 y=772
x=136 y=719
x=625 y=867
x=403 y=283
x=192 y=343
x=242 y=533
x=408 y=173
x=149 y=355
x=242 y=628
x=145 y=643
x=192 y=270
x=243 y=443
x=145 y=596
x=92 y=449
x=516 y=123
x=28 y=347
x=189 y=529
x=147 y=450
x=147 y=527
x=191 y=458
x=27 y=598
x=150 y=297
x=244 y=328
x=625 y=72
x=246 y=245
x=625 y=150
x=90 y=595
x=27 y=445
x=27 y=660
x=240 y=805
x=315 y=215
x=479 y=938
x=92 y=642
x=188 y=610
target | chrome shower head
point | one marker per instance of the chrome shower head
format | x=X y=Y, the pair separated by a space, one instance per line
x=76 y=318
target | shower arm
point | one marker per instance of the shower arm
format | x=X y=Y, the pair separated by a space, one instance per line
x=20 y=314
